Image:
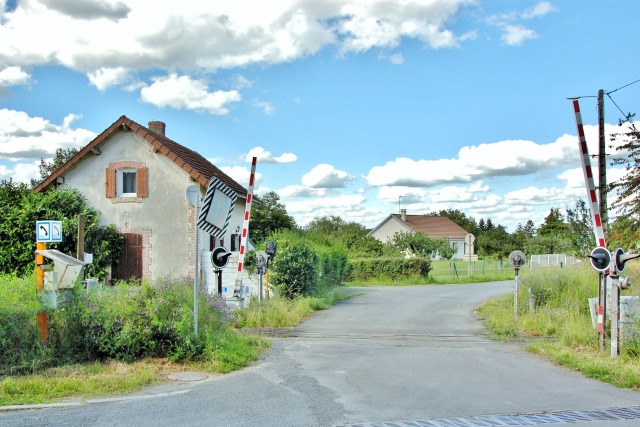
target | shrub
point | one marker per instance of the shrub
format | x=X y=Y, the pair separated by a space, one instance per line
x=130 y=322
x=294 y=270
x=20 y=346
x=392 y=268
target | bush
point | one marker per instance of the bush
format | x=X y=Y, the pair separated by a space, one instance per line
x=22 y=208
x=294 y=270
x=20 y=346
x=153 y=319
x=392 y=268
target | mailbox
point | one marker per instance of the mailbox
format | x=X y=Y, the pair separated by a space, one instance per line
x=63 y=273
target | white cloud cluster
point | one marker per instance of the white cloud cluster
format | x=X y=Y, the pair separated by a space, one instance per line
x=182 y=92
x=25 y=140
x=515 y=33
x=14 y=76
x=504 y=158
x=242 y=175
x=264 y=156
x=190 y=34
x=326 y=176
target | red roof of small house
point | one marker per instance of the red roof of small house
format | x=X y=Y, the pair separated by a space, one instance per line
x=434 y=227
x=199 y=168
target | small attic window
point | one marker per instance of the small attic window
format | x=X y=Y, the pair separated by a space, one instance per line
x=127 y=180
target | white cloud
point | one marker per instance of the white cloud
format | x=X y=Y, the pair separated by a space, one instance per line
x=242 y=175
x=301 y=192
x=14 y=76
x=264 y=156
x=326 y=176
x=196 y=35
x=503 y=158
x=182 y=92
x=32 y=138
x=267 y=107
x=540 y=9
x=105 y=78
x=515 y=35
x=345 y=205
x=241 y=82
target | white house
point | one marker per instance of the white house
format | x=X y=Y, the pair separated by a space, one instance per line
x=136 y=178
x=434 y=227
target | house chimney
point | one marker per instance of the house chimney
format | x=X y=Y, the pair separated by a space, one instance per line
x=403 y=215
x=157 y=127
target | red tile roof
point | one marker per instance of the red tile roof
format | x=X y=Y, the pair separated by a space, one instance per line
x=199 y=168
x=434 y=227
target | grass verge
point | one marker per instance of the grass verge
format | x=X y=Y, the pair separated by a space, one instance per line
x=232 y=351
x=561 y=317
x=278 y=312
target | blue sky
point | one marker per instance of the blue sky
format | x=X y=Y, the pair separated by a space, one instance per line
x=354 y=108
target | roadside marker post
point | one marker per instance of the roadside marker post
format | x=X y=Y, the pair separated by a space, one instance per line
x=517 y=260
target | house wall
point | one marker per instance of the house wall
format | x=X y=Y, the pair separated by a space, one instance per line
x=390 y=227
x=164 y=217
x=459 y=243
x=386 y=231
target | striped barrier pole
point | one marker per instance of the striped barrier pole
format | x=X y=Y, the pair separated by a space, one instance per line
x=238 y=291
x=598 y=230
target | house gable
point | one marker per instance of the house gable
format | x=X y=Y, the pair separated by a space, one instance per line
x=199 y=169
x=136 y=178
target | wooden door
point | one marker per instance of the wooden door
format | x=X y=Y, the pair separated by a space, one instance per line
x=129 y=266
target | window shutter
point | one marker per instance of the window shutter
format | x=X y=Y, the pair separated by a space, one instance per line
x=111 y=183
x=143 y=182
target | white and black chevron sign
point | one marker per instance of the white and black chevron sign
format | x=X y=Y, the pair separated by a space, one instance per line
x=217 y=208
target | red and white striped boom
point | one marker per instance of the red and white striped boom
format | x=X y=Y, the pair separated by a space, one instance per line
x=245 y=227
x=588 y=179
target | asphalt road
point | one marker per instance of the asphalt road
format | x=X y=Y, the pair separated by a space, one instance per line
x=405 y=356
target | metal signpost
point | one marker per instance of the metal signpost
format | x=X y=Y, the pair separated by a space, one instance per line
x=517 y=259
x=193 y=196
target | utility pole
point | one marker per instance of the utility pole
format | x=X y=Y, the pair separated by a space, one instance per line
x=602 y=165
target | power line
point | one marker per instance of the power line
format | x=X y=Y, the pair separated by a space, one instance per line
x=622 y=87
x=608 y=93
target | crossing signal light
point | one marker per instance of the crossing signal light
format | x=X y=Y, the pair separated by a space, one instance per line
x=220 y=257
x=620 y=258
x=600 y=258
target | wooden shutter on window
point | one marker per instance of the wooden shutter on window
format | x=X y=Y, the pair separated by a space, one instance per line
x=111 y=182
x=143 y=182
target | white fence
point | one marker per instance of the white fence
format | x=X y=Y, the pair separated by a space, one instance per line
x=550 y=260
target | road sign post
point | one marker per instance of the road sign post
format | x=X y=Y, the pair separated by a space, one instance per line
x=517 y=260
x=193 y=196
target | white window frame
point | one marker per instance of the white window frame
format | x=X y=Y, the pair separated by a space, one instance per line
x=120 y=181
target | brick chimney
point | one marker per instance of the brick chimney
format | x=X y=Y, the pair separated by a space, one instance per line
x=403 y=215
x=157 y=127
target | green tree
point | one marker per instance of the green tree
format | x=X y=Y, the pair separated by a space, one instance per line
x=548 y=244
x=22 y=209
x=335 y=226
x=460 y=218
x=268 y=217
x=61 y=157
x=495 y=241
x=623 y=233
x=554 y=225
x=421 y=245
x=627 y=188
x=581 y=228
